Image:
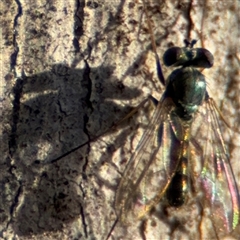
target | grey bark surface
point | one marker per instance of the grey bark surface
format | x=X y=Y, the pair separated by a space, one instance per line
x=69 y=71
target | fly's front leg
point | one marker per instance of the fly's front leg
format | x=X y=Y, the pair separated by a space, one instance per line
x=154 y=47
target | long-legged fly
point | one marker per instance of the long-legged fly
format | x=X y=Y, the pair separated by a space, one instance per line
x=182 y=152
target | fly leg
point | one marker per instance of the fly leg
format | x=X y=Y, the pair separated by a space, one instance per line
x=136 y=109
x=114 y=127
x=154 y=47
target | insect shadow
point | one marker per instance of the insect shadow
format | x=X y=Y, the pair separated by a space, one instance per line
x=49 y=124
x=50 y=113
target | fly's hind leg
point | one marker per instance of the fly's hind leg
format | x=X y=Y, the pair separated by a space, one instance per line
x=114 y=127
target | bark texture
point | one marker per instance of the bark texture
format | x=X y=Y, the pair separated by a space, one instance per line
x=69 y=71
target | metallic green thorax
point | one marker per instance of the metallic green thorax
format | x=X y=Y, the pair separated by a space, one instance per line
x=187 y=88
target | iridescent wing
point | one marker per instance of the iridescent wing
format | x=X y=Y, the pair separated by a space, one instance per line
x=217 y=179
x=148 y=172
x=152 y=167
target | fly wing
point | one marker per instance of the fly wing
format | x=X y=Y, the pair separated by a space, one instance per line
x=147 y=174
x=216 y=175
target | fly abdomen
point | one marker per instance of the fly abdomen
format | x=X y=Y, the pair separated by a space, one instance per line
x=178 y=188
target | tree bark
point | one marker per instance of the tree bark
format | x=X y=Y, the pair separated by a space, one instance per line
x=72 y=69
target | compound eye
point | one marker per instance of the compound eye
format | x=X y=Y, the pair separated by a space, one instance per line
x=203 y=58
x=172 y=56
x=194 y=57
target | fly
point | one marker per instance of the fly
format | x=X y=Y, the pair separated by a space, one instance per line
x=168 y=162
